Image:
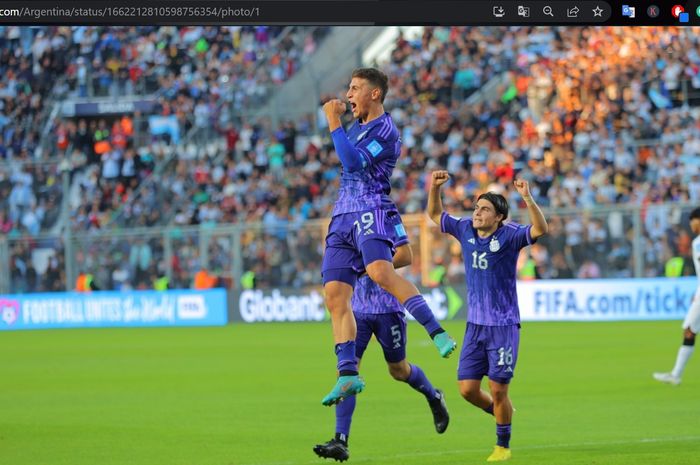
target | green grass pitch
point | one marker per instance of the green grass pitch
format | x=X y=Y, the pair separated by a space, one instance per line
x=250 y=395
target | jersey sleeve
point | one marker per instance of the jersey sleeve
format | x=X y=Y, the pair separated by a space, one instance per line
x=350 y=157
x=520 y=235
x=452 y=225
x=378 y=146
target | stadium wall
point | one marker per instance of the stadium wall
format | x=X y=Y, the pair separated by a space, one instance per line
x=544 y=300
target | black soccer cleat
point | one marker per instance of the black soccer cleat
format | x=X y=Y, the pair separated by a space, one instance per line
x=439 y=408
x=333 y=449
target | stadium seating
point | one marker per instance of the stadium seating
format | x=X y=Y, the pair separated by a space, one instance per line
x=592 y=117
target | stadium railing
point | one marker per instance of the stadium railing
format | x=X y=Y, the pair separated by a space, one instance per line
x=606 y=242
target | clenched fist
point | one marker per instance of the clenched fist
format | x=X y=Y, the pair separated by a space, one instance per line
x=334 y=107
x=440 y=177
x=523 y=188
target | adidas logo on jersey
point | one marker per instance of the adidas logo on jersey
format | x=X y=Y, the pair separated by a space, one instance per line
x=472 y=241
x=368 y=232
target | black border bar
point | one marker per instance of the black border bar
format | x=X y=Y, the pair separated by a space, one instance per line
x=340 y=12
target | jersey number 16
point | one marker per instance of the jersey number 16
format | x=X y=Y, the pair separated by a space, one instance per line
x=479 y=260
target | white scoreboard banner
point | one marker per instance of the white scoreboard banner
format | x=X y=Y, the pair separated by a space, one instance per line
x=606 y=299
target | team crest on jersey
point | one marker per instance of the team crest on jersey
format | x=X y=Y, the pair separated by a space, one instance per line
x=494 y=245
x=374 y=148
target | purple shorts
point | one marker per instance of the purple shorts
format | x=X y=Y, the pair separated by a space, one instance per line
x=355 y=240
x=489 y=351
x=390 y=331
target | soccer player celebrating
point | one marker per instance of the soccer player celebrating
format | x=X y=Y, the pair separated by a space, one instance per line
x=490 y=251
x=378 y=312
x=691 y=324
x=358 y=237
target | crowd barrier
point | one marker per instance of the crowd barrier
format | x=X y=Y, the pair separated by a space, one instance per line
x=544 y=300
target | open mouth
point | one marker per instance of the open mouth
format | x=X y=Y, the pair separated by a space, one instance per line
x=353 y=106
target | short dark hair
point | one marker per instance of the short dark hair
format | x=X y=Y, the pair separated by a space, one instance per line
x=499 y=203
x=374 y=77
x=695 y=214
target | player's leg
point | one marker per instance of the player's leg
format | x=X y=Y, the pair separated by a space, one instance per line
x=390 y=331
x=376 y=249
x=383 y=273
x=403 y=257
x=691 y=326
x=415 y=377
x=337 y=297
x=470 y=390
x=503 y=411
x=473 y=366
x=339 y=278
x=338 y=293
x=337 y=448
x=685 y=351
x=502 y=351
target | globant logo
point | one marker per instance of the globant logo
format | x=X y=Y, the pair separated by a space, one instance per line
x=9 y=310
x=256 y=306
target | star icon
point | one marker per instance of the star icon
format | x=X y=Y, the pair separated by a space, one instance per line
x=597 y=11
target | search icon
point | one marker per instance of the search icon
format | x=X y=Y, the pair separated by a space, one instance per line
x=548 y=11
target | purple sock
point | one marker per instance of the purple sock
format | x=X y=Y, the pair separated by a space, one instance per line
x=343 y=417
x=347 y=363
x=418 y=381
x=503 y=434
x=418 y=307
x=489 y=409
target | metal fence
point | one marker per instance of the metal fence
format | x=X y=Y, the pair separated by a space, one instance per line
x=606 y=242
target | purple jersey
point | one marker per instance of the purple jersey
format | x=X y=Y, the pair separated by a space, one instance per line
x=368 y=297
x=368 y=189
x=490 y=269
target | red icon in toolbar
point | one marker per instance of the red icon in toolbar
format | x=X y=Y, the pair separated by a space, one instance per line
x=677 y=10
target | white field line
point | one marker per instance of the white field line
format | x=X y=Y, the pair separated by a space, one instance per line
x=485 y=450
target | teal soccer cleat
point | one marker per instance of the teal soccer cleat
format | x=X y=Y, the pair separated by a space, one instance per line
x=346 y=386
x=445 y=344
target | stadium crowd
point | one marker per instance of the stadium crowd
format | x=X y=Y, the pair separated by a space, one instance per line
x=590 y=116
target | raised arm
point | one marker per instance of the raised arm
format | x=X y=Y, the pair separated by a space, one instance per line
x=537 y=219
x=434 y=209
x=349 y=156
